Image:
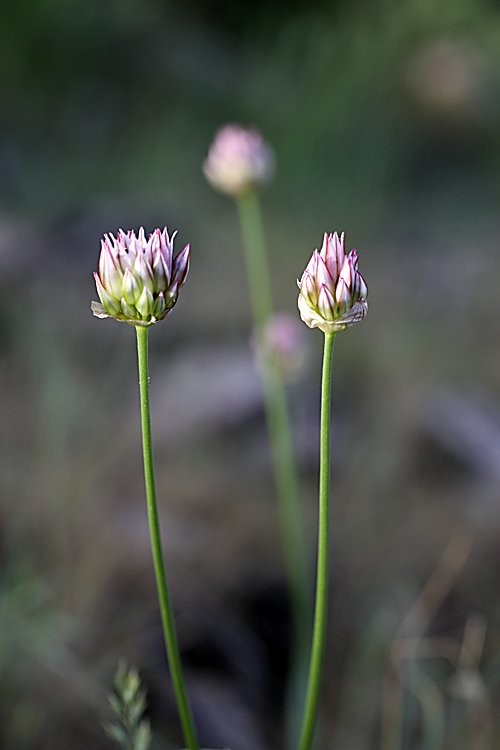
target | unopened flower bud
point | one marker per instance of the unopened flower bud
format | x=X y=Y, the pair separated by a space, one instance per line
x=238 y=160
x=333 y=294
x=138 y=279
x=283 y=342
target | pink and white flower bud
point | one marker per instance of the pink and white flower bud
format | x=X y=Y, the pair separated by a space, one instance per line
x=138 y=280
x=333 y=294
x=239 y=160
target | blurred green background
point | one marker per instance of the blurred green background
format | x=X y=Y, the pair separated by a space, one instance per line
x=385 y=120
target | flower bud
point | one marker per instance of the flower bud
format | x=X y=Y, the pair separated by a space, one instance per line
x=333 y=294
x=238 y=160
x=283 y=343
x=138 y=280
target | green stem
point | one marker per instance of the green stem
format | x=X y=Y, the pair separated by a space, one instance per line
x=320 y=609
x=174 y=659
x=277 y=414
x=280 y=438
x=254 y=246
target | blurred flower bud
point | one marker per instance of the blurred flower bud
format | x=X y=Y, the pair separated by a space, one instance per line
x=283 y=342
x=447 y=78
x=238 y=160
x=333 y=294
x=138 y=280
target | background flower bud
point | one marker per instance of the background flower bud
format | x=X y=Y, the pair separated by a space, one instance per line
x=333 y=294
x=282 y=342
x=238 y=160
x=138 y=281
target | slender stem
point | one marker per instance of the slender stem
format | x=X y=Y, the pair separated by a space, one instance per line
x=254 y=246
x=174 y=659
x=320 y=609
x=280 y=438
x=277 y=414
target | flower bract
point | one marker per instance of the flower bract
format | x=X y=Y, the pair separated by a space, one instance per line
x=333 y=294
x=138 y=279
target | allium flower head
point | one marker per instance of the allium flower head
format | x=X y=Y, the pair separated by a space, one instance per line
x=138 y=279
x=333 y=294
x=238 y=160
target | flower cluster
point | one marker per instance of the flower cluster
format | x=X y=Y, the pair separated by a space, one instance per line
x=138 y=279
x=238 y=160
x=333 y=294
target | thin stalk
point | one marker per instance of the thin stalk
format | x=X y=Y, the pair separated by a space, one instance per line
x=280 y=438
x=320 y=608
x=174 y=659
x=277 y=414
x=254 y=246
